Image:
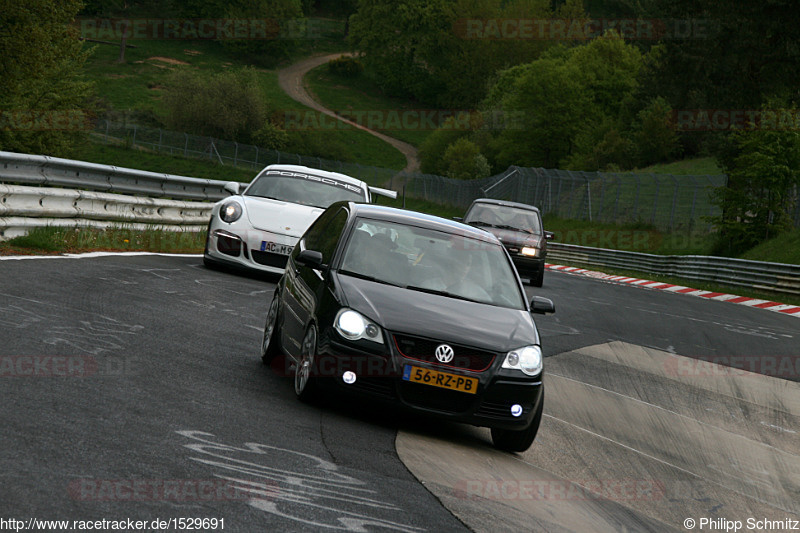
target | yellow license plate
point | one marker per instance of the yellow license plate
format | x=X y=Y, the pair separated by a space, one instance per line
x=444 y=380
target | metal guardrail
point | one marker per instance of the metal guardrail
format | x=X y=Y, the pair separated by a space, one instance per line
x=51 y=171
x=54 y=171
x=777 y=277
x=23 y=208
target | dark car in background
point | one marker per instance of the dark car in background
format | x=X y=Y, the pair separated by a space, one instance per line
x=519 y=228
x=418 y=311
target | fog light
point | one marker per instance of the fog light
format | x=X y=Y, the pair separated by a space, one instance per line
x=516 y=410
x=349 y=377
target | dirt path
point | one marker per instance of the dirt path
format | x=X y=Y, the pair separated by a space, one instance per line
x=290 y=80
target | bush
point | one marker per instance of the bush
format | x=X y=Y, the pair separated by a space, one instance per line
x=228 y=105
x=463 y=160
x=345 y=66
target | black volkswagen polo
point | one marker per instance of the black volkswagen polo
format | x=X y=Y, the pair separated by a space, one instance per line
x=412 y=309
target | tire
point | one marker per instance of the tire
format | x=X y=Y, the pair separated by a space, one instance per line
x=270 y=343
x=305 y=386
x=538 y=281
x=510 y=440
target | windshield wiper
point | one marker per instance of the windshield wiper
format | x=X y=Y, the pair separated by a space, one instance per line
x=481 y=223
x=367 y=277
x=439 y=293
x=512 y=228
x=267 y=197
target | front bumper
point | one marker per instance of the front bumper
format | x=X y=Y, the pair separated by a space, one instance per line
x=528 y=267
x=380 y=377
x=246 y=249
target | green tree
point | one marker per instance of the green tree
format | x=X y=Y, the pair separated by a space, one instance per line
x=763 y=168
x=655 y=136
x=425 y=49
x=570 y=100
x=463 y=160
x=43 y=98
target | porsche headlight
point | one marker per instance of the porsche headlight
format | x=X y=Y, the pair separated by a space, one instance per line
x=353 y=326
x=530 y=252
x=230 y=212
x=527 y=359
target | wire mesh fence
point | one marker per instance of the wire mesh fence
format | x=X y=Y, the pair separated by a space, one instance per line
x=673 y=202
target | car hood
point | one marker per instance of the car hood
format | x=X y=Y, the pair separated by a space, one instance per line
x=515 y=238
x=497 y=329
x=280 y=217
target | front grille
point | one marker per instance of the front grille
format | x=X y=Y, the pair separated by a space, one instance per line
x=464 y=357
x=269 y=259
x=377 y=386
x=429 y=397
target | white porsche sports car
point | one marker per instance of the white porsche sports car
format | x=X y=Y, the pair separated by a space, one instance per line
x=258 y=228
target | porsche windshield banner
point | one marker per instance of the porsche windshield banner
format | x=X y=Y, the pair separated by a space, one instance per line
x=319 y=179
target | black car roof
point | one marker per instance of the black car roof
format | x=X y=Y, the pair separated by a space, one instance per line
x=415 y=218
x=504 y=203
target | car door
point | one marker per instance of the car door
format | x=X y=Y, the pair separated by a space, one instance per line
x=304 y=284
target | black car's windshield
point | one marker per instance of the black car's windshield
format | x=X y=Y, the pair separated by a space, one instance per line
x=504 y=217
x=305 y=189
x=437 y=262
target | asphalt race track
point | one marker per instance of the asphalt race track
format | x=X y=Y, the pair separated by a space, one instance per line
x=131 y=388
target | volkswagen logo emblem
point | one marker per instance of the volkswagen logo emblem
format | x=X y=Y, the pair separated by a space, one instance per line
x=444 y=353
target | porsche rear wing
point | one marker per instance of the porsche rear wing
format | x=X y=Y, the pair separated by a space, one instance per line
x=383 y=192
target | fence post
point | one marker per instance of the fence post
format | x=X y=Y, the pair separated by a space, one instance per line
x=655 y=200
x=186 y=145
x=674 y=203
x=235 y=153
x=160 y=135
x=133 y=142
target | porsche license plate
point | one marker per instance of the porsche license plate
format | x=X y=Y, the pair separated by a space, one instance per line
x=275 y=248
x=444 y=380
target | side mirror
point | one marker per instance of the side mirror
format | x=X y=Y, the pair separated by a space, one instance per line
x=542 y=306
x=232 y=187
x=309 y=258
x=549 y=235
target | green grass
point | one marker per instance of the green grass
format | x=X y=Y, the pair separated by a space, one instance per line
x=133 y=91
x=359 y=94
x=698 y=166
x=71 y=240
x=784 y=248
x=155 y=162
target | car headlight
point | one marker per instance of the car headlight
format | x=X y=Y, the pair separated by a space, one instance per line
x=527 y=359
x=230 y=212
x=353 y=326
x=529 y=251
